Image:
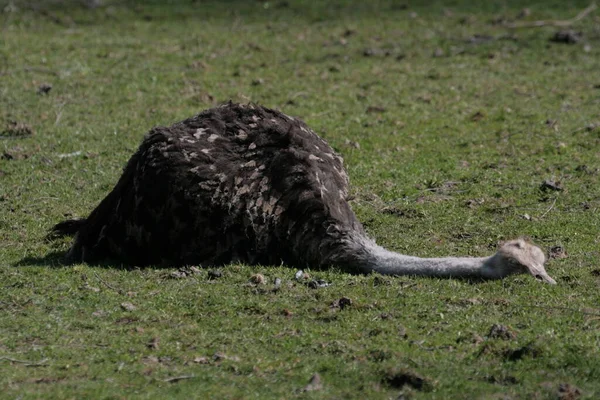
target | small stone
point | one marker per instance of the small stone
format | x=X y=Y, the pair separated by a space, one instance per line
x=557 y=252
x=154 y=343
x=476 y=339
x=44 y=88
x=472 y=203
x=566 y=36
x=91 y=288
x=16 y=129
x=214 y=274
x=127 y=306
x=568 y=392
x=402 y=332
x=478 y=116
x=318 y=283
x=257 y=279
x=351 y=143
x=195 y=270
x=529 y=350
x=549 y=184
x=222 y=356
x=314 y=384
x=592 y=127
x=342 y=303
x=178 y=274
x=501 y=332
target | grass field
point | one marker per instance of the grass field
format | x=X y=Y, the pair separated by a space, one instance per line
x=457 y=132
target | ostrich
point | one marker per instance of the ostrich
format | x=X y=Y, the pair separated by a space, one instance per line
x=245 y=183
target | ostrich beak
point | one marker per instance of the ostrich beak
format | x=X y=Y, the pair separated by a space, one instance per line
x=539 y=273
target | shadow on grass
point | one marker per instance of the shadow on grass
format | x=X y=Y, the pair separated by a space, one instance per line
x=56 y=259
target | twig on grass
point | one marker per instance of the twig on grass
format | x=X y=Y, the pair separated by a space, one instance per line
x=589 y=127
x=549 y=209
x=42 y=70
x=26 y=362
x=559 y=23
x=108 y=285
x=178 y=378
x=31 y=69
x=320 y=114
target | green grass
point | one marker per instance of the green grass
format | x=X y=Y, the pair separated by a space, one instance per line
x=450 y=163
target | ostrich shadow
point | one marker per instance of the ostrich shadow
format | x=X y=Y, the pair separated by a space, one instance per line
x=56 y=259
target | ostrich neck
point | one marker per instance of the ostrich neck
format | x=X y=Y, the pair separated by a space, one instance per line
x=387 y=262
x=390 y=263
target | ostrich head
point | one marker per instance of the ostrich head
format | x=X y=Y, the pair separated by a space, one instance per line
x=519 y=257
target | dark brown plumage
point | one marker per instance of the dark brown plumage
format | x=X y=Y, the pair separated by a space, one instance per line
x=235 y=183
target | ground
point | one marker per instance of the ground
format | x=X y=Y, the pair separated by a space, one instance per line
x=458 y=132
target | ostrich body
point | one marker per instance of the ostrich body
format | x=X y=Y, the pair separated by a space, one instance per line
x=244 y=183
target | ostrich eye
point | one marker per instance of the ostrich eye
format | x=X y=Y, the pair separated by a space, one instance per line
x=538 y=277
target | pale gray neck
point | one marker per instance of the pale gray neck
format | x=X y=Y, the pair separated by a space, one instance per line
x=390 y=263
